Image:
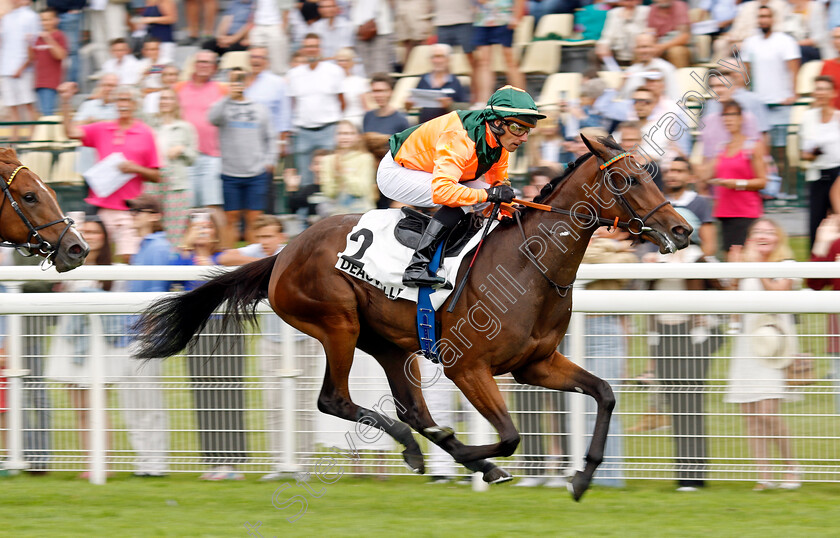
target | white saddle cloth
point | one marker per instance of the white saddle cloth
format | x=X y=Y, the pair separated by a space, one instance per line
x=380 y=259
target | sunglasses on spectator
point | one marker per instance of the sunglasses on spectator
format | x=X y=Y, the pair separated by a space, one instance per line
x=731 y=114
x=135 y=210
x=643 y=101
x=516 y=129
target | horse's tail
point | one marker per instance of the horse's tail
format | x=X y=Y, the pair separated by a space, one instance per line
x=169 y=324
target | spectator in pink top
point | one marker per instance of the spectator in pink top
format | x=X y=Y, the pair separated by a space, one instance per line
x=196 y=96
x=136 y=142
x=740 y=172
x=49 y=50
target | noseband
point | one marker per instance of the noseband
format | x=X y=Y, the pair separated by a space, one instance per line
x=35 y=244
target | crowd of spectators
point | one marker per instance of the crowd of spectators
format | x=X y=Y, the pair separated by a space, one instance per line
x=200 y=107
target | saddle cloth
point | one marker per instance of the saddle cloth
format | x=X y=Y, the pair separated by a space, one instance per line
x=374 y=255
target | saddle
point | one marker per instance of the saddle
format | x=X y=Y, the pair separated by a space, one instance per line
x=409 y=229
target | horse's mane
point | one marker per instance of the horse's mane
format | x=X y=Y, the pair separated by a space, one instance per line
x=547 y=189
x=550 y=186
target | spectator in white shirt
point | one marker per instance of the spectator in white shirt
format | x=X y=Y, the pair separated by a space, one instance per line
x=745 y=25
x=317 y=104
x=624 y=23
x=123 y=64
x=269 y=31
x=772 y=60
x=646 y=62
x=356 y=89
x=20 y=28
x=335 y=30
x=376 y=50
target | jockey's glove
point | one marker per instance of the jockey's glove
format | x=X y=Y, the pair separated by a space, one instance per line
x=500 y=193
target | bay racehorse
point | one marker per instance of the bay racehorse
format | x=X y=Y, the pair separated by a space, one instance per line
x=513 y=313
x=30 y=219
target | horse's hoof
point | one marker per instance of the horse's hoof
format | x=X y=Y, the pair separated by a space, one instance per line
x=414 y=462
x=497 y=475
x=578 y=484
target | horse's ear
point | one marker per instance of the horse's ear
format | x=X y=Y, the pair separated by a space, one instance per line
x=8 y=155
x=596 y=148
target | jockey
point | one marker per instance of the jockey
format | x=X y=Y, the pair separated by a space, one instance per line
x=439 y=163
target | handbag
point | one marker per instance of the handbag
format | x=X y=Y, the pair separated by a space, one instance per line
x=800 y=372
x=367 y=30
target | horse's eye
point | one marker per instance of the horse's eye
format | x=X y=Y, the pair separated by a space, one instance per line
x=30 y=198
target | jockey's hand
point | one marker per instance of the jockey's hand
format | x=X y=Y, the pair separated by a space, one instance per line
x=500 y=193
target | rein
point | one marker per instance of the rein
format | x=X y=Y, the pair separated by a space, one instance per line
x=40 y=245
x=635 y=225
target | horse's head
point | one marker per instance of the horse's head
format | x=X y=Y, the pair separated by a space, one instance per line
x=626 y=190
x=31 y=219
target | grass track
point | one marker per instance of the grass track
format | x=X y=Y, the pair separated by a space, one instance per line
x=60 y=505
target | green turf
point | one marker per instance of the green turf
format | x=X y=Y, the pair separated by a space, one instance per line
x=60 y=505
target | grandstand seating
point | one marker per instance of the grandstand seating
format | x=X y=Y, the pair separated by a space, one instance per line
x=557 y=24
x=805 y=77
x=402 y=90
x=556 y=83
x=541 y=57
x=238 y=58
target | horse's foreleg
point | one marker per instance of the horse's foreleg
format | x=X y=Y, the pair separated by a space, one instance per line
x=412 y=409
x=558 y=372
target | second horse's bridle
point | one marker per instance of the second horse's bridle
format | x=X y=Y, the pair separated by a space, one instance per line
x=35 y=244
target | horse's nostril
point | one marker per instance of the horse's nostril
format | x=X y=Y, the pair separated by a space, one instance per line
x=680 y=231
x=77 y=251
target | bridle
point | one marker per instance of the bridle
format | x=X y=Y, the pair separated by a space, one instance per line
x=35 y=244
x=635 y=225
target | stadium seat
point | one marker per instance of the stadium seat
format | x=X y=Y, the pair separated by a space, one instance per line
x=524 y=32
x=237 y=58
x=419 y=62
x=560 y=82
x=559 y=24
x=64 y=170
x=806 y=75
x=39 y=162
x=46 y=136
x=459 y=64
x=702 y=44
x=613 y=79
x=696 y=158
x=685 y=83
x=402 y=90
x=188 y=68
x=465 y=81
x=541 y=57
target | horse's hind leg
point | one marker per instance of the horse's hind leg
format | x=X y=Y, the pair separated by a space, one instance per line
x=404 y=377
x=558 y=372
x=335 y=400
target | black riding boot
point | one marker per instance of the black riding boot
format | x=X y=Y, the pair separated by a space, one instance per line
x=417 y=273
